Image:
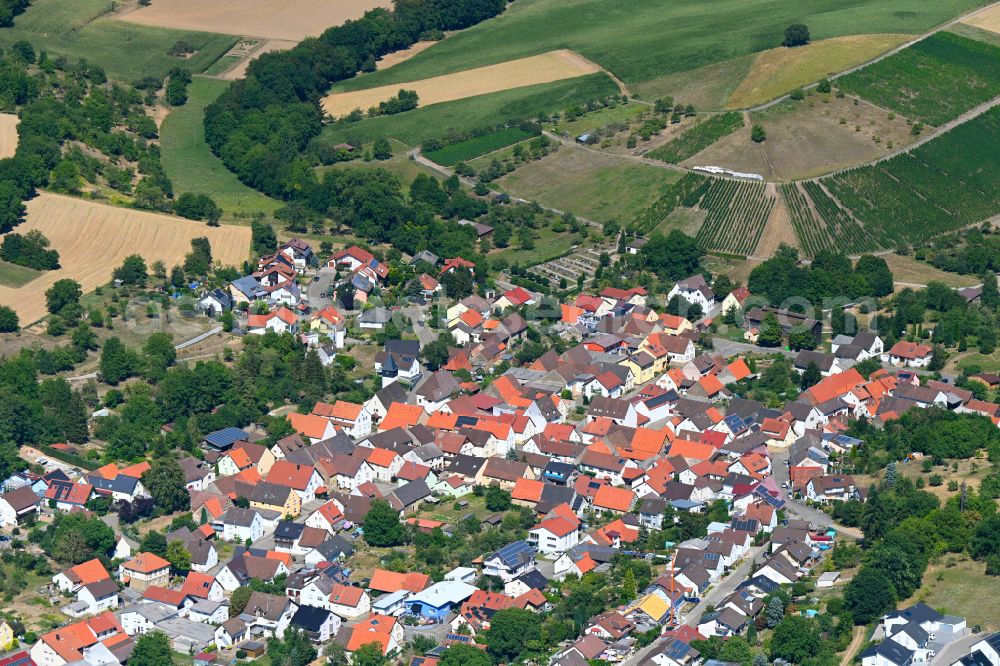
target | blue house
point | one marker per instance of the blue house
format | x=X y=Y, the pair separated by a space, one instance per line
x=439 y=599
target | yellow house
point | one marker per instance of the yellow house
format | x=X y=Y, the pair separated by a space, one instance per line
x=6 y=636
x=276 y=497
x=643 y=366
x=674 y=325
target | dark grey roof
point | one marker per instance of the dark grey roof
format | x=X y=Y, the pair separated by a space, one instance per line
x=120 y=484
x=335 y=547
x=288 y=530
x=534 y=579
x=409 y=494
x=310 y=618
x=891 y=651
x=223 y=439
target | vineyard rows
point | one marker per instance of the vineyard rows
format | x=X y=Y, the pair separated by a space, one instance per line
x=935 y=80
x=947 y=184
x=737 y=215
x=698 y=138
x=813 y=234
x=647 y=220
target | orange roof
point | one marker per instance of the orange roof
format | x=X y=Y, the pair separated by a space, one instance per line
x=532 y=597
x=617 y=499
x=648 y=440
x=616 y=529
x=570 y=313
x=240 y=458
x=739 y=369
x=711 y=385
x=346 y=595
x=836 y=385
x=400 y=415
x=310 y=425
x=376 y=629
x=381 y=457
x=331 y=512
x=442 y=421
x=172 y=597
x=693 y=450
x=471 y=318
x=68 y=642
x=557 y=526
x=585 y=564
x=341 y=410
x=249 y=475
x=392 y=581
x=719 y=468
x=285 y=315
x=108 y=471
x=290 y=474
x=89 y=572
x=146 y=563
x=527 y=490
x=496 y=428
x=563 y=511
x=285 y=558
x=197 y=585
x=329 y=313
x=755 y=462
x=673 y=322
x=510 y=392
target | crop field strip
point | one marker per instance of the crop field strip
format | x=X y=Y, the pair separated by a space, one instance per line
x=935 y=80
x=946 y=184
x=463 y=151
x=698 y=138
x=737 y=214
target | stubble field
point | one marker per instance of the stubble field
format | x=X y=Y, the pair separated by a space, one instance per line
x=93 y=238
x=544 y=68
x=8 y=134
x=278 y=19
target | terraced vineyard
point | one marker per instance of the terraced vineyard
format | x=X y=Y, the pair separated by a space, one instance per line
x=698 y=138
x=935 y=80
x=737 y=214
x=946 y=184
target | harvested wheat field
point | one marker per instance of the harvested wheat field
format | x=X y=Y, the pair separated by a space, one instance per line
x=93 y=238
x=276 y=19
x=396 y=57
x=987 y=19
x=8 y=134
x=544 y=68
x=776 y=72
x=268 y=46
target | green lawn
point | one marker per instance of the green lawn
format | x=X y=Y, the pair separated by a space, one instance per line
x=438 y=120
x=548 y=246
x=12 y=275
x=959 y=591
x=190 y=164
x=643 y=40
x=77 y=29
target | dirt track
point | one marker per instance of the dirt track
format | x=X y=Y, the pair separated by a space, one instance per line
x=544 y=68
x=274 y=19
x=93 y=238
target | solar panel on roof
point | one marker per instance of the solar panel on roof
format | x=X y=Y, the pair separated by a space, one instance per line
x=466 y=420
x=512 y=553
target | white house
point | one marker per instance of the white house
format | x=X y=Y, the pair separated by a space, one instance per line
x=240 y=524
x=554 y=535
x=695 y=291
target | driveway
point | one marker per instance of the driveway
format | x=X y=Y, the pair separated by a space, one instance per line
x=416 y=315
x=779 y=470
x=955 y=651
x=316 y=291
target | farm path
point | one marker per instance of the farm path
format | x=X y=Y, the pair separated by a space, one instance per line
x=415 y=155
x=919 y=38
x=856 y=641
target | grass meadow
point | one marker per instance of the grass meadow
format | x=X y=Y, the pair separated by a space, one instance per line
x=12 y=275
x=190 y=163
x=79 y=29
x=463 y=151
x=439 y=120
x=643 y=40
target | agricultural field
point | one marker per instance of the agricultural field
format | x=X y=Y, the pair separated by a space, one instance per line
x=544 y=68
x=8 y=134
x=473 y=113
x=934 y=81
x=620 y=114
x=190 y=163
x=652 y=217
x=645 y=40
x=12 y=275
x=906 y=268
x=93 y=239
x=463 y=151
x=820 y=224
x=698 y=138
x=291 y=20
x=84 y=29
x=988 y=19
x=775 y=72
x=946 y=184
x=737 y=214
x=708 y=88
x=837 y=133
x=595 y=186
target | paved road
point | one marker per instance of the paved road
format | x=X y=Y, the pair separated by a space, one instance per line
x=729 y=348
x=717 y=593
x=316 y=291
x=417 y=316
x=779 y=470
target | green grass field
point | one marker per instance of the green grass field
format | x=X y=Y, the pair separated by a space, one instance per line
x=959 y=591
x=548 y=246
x=12 y=275
x=622 y=113
x=399 y=165
x=438 y=120
x=595 y=186
x=190 y=163
x=78 y=29
x=644 y=40
x=469 y=149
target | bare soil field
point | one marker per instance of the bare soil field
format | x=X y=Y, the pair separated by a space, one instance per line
x=778 y=71
x=779 y=228
x=988 y=19
x=93 y=238
x=276 y=19
x=544 y=68
x=8 y=134
x=810 y=138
